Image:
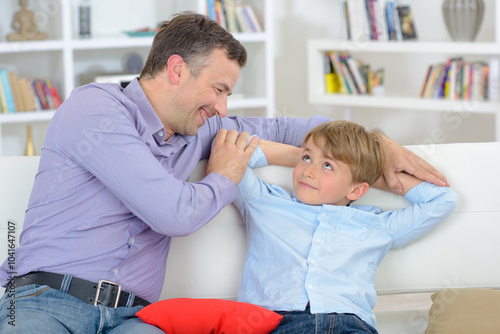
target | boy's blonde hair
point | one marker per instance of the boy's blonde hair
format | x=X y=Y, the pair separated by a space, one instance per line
x=350 y=143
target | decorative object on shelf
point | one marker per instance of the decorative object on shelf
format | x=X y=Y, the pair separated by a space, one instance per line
x=25 y=25
x=142 y=32
x=132 y=63
x=463 y=18
x=30 y=147
x=84 y=13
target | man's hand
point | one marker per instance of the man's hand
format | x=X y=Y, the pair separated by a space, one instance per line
x=399 y=159
x=231 y=154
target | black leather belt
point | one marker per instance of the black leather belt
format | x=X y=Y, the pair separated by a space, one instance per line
x=103 y=293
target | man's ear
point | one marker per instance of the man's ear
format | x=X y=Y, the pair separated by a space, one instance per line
x=174 y=68
x=358 y=191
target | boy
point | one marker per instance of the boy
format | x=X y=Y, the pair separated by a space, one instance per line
x=312 y=256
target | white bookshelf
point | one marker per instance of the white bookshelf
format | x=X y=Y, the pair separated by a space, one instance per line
x=398 y=100
x=71 y=61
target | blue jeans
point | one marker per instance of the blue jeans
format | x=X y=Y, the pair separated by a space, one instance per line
x=303 y=322
x=40 y=309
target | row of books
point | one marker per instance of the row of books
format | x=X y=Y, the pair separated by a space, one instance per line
x=233 y=16
x=457 y=79
x=380 y=20
x=344 y=75
x=24 y=94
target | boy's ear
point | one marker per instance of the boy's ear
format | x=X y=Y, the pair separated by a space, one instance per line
x=358 y=191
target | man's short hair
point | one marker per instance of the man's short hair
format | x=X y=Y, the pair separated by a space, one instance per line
x=193 y=37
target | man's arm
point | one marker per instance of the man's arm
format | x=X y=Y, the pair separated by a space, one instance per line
x=292 y=131
x=407 y=181
x=400 y=159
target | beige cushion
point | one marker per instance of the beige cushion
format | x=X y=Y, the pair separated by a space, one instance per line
x=470 y=310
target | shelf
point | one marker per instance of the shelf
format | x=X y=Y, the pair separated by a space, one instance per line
x=405 y=103
x=26 y=117
x=31 y=46
x=247 y=103
x=399 y=100
x=251 y=37
x=70 y=61
x=112 y=42
x=406 y=47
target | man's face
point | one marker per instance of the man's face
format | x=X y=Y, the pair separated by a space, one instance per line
x=205 y=96
x=318 y=179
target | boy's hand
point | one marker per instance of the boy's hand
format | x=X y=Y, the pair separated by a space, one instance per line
x=231 y=153
x=400 y=159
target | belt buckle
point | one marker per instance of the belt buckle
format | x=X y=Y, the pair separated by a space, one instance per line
x=100 y=287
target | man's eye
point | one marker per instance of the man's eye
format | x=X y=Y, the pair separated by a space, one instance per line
x=328 y=166
x=306 y=158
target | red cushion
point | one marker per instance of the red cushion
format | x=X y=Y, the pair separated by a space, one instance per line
x=189 y=315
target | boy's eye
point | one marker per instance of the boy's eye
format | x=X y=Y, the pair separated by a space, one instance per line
x=328 y=166
x=306 y=158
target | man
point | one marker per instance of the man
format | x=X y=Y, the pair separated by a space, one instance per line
x=112 y=187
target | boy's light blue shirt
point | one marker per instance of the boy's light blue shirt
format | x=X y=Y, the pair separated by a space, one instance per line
x=326 y=255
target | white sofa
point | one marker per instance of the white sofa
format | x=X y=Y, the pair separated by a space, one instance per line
x=462 y=252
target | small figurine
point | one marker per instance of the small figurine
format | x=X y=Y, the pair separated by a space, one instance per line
x=24 y=23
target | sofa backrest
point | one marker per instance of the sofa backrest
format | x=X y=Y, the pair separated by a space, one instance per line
x=461 y=252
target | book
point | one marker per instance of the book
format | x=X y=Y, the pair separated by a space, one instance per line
x=337 y=68
x=457 y=79
x=41 y=94
x=344 y=18
x=16 y=92
x=211 y=9
x=389 y=13
x=220 y=14
x=406 y=22
x=358 y=20
x=3 y=102
x=252 y=18
x=426 y=80
x=27 y=94
x=357 y=77
x=9 y=97
x=242 y=21
x=493 y=79
x=54 y=93
x=232 y=21
x=380 y=18
x=397 y=22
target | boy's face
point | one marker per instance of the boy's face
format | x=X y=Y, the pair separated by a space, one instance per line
x=318 y=179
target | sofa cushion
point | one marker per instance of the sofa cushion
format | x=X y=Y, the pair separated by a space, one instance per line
x=193 y=315
x=469 y=310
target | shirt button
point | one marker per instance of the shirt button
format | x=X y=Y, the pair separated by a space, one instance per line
x=316 y=240
x=323 y=215
x=309 y=286
x=133 y=241
x=160 y=133
x=116 y=271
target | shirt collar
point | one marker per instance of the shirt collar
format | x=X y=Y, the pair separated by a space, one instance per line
x=135 y=93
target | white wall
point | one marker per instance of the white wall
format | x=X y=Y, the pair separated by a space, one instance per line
x=297 y=21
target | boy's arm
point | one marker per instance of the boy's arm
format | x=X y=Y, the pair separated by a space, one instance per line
x=280 y=154
x=408 y=181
